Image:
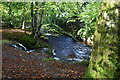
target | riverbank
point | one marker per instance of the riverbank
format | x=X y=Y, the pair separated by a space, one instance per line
x=23 y=37
x=20 y=64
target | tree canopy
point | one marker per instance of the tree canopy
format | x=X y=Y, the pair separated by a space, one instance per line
x=75 y=18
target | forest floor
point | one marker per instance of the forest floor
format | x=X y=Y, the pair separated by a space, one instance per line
x=20 y=64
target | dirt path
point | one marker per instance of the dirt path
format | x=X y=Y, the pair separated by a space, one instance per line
x=19 y=64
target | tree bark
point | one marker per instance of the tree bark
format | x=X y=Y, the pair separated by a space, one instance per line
x=32 y=20
x=23 y=23
x=37 y=33
x=23 y=17
x=36 y=16
x=105 y=57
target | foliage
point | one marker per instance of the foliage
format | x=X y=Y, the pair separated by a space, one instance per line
x=52 y=29
x=68 y=16
x=61 y=14
x=13 y=13
x=89 y=16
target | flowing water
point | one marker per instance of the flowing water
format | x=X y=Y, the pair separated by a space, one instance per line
x=65 y=48
x=22 y=47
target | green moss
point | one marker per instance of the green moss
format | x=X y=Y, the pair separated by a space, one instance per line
x=83 y=63
x=49 y=52
x=90 y=73
x=47 y=59
x=27 y=40
x=5 y=42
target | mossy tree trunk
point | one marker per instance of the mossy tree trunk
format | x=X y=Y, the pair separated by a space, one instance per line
x=37 y=32
x=105 y=57
x=32 y=18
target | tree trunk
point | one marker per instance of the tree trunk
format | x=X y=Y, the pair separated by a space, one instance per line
x=23 y=17
x=32 y=20
x=37 y=33
x=23 y=23
x=36 y=18
x=105 y=57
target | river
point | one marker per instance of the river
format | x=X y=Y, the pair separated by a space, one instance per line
x=64 y=48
